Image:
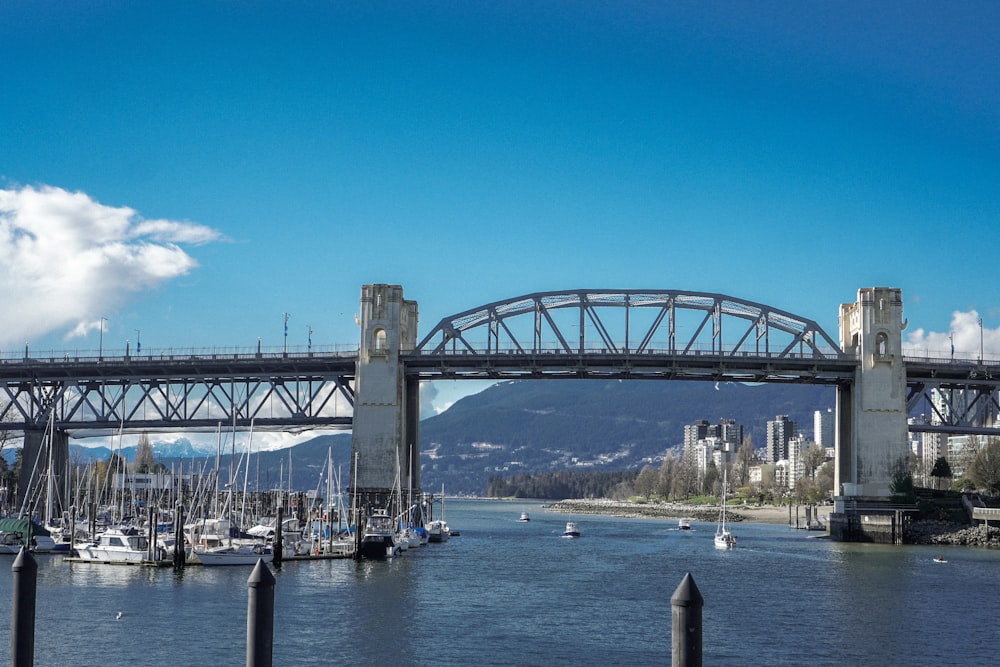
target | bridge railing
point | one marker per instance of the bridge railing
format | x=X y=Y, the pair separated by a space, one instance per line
x=27 y=355
x=663 y=349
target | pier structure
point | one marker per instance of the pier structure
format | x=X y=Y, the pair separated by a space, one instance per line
x=385 y=438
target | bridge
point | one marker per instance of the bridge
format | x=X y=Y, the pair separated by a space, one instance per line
x=609 y=334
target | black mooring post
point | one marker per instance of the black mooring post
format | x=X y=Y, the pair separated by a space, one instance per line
x=278 y=544
x=260 y=616
x=22 y=622
x=686 y=604
x=179 y=556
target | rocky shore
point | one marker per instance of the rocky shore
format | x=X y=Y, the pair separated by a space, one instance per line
x=752 y=513
x=950 y=533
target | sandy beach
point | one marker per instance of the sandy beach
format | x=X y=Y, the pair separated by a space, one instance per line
x=753 y=513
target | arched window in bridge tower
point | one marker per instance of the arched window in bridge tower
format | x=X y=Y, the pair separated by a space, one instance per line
x=379 y=343
x=881 y=346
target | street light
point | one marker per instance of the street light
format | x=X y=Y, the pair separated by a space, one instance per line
x=310 y=345
x=980 y=340
x=100 y=343
x=285 y=348
x=138 y=343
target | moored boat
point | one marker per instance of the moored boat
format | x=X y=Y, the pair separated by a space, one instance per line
x=437 y=531
x=378 y=540
x=236 y=554
x=117 y=545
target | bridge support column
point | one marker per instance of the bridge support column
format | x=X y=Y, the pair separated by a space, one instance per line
x=384 y=440
x=872 y=441
x=35 y=467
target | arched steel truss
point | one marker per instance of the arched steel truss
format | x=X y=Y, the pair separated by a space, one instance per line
x=664 y=334
x=182 y=392
x=756 y=329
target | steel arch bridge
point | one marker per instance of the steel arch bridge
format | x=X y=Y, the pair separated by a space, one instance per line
x=623 y=334
x=665 y=334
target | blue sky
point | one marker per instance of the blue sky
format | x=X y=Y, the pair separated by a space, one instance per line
x=193 y=171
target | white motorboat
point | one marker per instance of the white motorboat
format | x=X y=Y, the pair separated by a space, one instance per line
x=118 y=545
x=437 y=531
x=524 y=517
x=684 y=523
x=235 y=554
x=572 y=529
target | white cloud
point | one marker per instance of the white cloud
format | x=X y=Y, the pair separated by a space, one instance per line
x=965 y=331
x=68 y=259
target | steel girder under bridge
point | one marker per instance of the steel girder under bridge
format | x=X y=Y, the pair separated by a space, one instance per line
x=955 y=396
x=270 y=390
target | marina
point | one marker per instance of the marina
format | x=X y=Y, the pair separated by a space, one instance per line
x=508 y=593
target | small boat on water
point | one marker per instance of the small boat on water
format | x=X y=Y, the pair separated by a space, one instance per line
x=438 y=531
x=684 y=523
x=572 y=530
x=940 y=560
x=524 y=517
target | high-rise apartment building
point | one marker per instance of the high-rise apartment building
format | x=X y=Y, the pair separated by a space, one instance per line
x=779 y=431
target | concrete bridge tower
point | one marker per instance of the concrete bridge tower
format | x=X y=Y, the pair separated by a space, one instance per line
x=385 y=442
x=871 y=413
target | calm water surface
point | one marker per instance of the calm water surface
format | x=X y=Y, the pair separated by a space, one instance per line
x=513 y=593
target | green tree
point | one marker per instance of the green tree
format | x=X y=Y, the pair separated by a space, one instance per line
x=940 y=471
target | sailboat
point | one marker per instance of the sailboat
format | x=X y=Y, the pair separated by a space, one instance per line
x=723 y=538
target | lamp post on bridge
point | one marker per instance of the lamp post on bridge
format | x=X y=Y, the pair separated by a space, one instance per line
x=138 y=343
x=100 y=340
x=309 y=345
x=284 y=349
x=981 y=355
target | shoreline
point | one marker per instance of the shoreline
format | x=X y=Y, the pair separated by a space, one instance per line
x=772 y=514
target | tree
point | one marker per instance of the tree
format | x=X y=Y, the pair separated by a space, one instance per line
x=984 y=471
x=144 y=456
x=814 y=457
x=940 y=471
x=646 y=482
x=744 y=461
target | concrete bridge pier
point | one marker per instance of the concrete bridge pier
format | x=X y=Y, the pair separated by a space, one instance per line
x=35 y=467
x=871 y=431
x=385 y=443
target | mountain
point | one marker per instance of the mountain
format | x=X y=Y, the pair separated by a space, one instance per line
x=540 y=425
x=543 y=425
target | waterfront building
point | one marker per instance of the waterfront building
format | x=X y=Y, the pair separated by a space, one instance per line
x=823 y=427
x=779 y=431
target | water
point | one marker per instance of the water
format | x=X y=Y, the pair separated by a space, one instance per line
x=513 y=593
